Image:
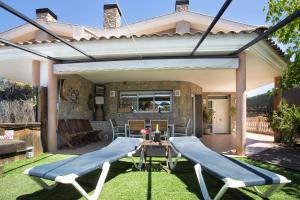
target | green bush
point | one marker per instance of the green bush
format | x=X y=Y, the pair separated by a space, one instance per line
x=286 y=121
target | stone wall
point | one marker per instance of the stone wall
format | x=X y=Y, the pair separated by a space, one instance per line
x=181 y=106
x=105 y=127
x=74 y=97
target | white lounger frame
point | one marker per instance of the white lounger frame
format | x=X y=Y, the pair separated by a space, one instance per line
x=71 y=179
x=229 y=183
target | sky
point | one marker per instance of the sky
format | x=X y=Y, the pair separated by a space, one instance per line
x=90 y=12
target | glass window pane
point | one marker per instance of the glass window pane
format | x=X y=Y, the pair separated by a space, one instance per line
x=128 y=100
x=163 y=102
x=209 y=104
x=146 y=103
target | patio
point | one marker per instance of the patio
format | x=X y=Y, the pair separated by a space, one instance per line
x=222 y=143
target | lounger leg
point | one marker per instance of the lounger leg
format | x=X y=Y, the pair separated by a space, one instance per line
x=170 y=162
x=70 y=179
x=203 y=187
x=43 y=184
x=270 y=191
x=221 y=192
x=201 y=181
x=137 y=166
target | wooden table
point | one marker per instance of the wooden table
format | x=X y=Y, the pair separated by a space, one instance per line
x=171 y=126
x=148 y=144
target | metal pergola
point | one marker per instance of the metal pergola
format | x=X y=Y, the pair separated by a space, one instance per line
x=233 y=54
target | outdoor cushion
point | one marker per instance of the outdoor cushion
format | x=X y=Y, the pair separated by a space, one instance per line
x=222 y=166
x=88 y=162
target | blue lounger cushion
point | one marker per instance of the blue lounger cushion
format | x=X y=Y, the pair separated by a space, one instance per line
x=221 y=166
x=88 y=162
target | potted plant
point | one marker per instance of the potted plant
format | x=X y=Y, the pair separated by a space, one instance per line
x=207 y=117
x=232 y=111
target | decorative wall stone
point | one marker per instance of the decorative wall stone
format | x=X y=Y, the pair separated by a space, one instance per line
x=76 y=108
x=181 y=107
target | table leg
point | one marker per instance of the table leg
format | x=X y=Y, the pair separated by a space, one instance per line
x=142 y=158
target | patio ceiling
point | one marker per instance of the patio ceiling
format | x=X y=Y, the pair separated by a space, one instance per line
x=214 y=78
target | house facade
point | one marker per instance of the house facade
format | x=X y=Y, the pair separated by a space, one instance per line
x=144 y=71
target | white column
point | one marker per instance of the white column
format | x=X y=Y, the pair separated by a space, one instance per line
x=241 y=105
x=52 y=110
x=35 y=73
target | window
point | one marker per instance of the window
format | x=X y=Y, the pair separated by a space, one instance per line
x=146 y=101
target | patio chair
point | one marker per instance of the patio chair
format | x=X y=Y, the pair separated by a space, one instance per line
x=116 y=130
x=68 y=170
x=233 y=173
x=163 y=127
x=135 y=127
x=186 y=127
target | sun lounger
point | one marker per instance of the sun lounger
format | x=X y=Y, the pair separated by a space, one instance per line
x=66 y=171
x=234 y=173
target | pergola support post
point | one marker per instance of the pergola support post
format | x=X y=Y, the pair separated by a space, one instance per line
x=52 y=110
x=35 y=73
x=241 y=105
x=277 y=100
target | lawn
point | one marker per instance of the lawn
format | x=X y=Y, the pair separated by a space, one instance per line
x=124 y=182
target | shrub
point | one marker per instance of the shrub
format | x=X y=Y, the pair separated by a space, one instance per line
x=286 y=121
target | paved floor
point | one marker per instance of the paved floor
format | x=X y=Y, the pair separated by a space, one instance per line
x=287 y=157
x=222 y=143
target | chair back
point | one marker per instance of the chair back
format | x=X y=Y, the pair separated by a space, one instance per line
x=87 y=125
x=187 y=126
x=113 y=123
x=63 y=127
x=135 y=126
x=162 y=125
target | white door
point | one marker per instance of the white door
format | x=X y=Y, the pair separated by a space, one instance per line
x=220 y=121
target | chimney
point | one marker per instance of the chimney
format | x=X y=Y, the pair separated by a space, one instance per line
x=182 y=5
x=45 y=14
x=112 y=16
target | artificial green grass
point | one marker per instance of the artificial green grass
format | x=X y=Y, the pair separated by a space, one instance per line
x=124 y=182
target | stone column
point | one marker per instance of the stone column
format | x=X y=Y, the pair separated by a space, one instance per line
x=241 y=105
x=52 y=110
x=35 y=73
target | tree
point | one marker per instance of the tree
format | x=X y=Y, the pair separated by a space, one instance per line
x=289 y=36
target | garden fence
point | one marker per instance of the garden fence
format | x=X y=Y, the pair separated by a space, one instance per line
x=259 y=125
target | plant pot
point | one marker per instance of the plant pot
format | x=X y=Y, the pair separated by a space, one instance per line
x=207 y=131
x=277 y=137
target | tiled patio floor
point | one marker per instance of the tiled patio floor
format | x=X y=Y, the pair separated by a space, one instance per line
x=222 y=143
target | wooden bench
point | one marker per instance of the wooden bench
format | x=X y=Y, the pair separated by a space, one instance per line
x=76 y=131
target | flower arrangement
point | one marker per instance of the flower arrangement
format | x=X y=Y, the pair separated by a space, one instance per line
x=145 y=132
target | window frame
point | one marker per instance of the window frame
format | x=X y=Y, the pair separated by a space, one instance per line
x=153 y=93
